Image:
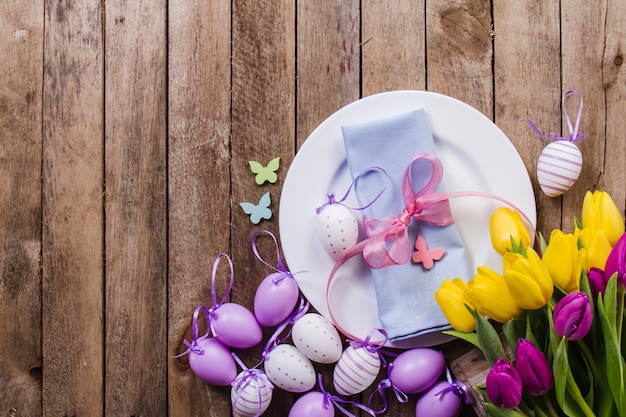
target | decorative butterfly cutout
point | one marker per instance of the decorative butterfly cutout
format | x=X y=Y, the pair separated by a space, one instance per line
x=425 y=256
x=267 y=173
x=260 y=211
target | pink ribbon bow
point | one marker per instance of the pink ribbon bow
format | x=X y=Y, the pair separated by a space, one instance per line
x=388 y=239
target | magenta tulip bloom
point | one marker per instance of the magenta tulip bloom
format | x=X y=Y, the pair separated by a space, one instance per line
x=533 y=368
x=504 y=385
x=616 y=262
x=597 y=281
x=573 y=316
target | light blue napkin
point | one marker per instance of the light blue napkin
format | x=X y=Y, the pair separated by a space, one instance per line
x=406 y=306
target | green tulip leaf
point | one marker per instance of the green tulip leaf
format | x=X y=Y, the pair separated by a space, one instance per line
x=610 y=301
x=560 y=368
x=488 y=340
x=614 y=360
x=494 y=411
x=514 y=330
x=468 y=337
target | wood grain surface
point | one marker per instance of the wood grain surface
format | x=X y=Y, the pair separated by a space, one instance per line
x=126 y=131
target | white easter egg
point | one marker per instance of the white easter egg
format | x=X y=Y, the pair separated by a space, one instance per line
x=250 y=395
x=317 y=338
x=356 y=370
x=337 y=229
x=558 y=167
x=289 y=369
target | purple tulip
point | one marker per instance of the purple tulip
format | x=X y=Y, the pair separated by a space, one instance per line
x=597 y=281
x=504 y=385
x=616 y=262
x=533 y=368
x=573 y=316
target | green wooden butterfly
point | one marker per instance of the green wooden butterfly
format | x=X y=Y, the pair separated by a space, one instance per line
x=265 y=173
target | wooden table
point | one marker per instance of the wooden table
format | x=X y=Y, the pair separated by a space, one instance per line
x=126 y=128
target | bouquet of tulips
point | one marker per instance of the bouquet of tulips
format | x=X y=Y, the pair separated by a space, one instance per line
x=551 y=324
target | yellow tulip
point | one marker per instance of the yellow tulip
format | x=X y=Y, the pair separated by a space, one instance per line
x=451 y=299
x=563 y=260
x=600 y=212
x=505 y=224
x=597 y=246
x=489 y=293
x=528 y=279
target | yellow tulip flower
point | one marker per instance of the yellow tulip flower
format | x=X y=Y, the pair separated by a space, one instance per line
x=489 y=293
x=528 y=279
x=451 y=299
x=505 y=224
x=597 y=246
x=563 y=260
x=600 y=212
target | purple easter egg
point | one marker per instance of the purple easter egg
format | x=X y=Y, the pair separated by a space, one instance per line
x=212 y=362
x=312 y=404
x=415 y=370
x=275 y=299
x=235 y=326
x=438 y=401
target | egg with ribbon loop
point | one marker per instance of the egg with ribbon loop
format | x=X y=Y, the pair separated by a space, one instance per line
x=251 y=393
x=212 y=362
x=275 y=298
x=415 y=370
x=289 y=369
x=235 y=326
x=560 y=163
x=356 y=370
x=317 y=338
x=337 y=229
x=312 y=404
x=441 y=400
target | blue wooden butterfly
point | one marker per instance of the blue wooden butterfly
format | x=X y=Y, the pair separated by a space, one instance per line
x=260 y=211
x=267 y=173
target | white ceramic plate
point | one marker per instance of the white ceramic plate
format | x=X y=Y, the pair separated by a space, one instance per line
x=476 y=156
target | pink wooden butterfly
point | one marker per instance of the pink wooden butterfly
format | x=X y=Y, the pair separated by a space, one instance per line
x=425 y=256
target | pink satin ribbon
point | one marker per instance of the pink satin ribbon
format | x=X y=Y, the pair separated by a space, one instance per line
x=387 y=242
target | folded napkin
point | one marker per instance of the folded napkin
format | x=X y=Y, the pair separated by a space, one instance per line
x=406 y=306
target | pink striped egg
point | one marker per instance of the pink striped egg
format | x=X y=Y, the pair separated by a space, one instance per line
x=251 y=393
x=337 y=229
x=356 y=370
x=558 y=167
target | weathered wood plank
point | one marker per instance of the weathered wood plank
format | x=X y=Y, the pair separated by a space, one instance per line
x=72 y=241
x=263 y=127
x=459 y=51
x=21 y=43
x=517 y=99
x=135 y=237
x=393 y=46
x=328 y=61
x=586 y=60
x=199 y=184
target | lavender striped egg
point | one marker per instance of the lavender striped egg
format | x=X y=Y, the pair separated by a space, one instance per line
x=558 y=167
x=251 y=393
x=356 y=370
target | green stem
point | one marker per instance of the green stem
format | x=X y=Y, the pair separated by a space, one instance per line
x=590 y=360
x=549 y=405
x=620 y=313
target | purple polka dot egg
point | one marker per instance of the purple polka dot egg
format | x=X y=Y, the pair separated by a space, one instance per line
x=317 y=338
x=289 y=369
x=337 y=229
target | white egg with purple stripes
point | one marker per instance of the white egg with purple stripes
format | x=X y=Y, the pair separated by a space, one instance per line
x=558 y=167
x=250 y=396
x=356 y=370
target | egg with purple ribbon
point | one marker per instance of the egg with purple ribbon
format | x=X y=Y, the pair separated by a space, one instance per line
x=212 y=362
x=235 y=326
x=415 y=370
x=356 y=370
x=251 y=393
x=337 y=229
x=289 y=369
x=441 y=400
x=317 y=338
x=558 y=167
x=275 y=299
x=312 y=404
